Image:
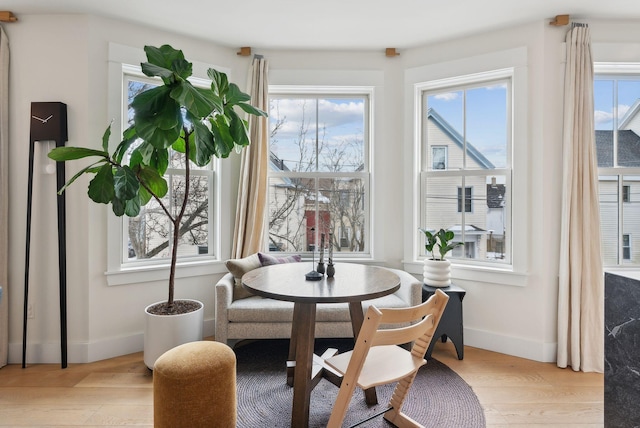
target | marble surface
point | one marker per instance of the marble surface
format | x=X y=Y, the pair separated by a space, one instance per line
x=622 y=351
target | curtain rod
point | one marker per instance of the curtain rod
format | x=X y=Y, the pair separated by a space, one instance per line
x=6 y=16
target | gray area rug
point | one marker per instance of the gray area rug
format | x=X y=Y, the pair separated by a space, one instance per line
x=438 y=398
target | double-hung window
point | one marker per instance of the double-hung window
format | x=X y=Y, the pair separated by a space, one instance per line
x=146 y=238
x=466 y=171
x=617 y=139
x=319 y=175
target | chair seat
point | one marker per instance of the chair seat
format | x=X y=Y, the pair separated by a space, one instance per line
x=384 y=364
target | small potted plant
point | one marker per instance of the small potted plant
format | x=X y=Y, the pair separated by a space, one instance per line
x=437 y=271
x=172 y=119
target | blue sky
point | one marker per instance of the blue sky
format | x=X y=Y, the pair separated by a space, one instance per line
x=628 y=93
x=486 y=118
x=341 y=127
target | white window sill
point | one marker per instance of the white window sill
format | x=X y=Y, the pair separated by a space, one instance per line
x=478 y=274
x=140 y=274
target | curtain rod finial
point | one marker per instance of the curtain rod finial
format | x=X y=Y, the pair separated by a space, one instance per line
x=6 y=16
x=391 y=52
x=560 y=20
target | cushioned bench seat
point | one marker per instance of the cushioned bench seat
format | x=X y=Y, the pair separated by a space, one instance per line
x=261 y=318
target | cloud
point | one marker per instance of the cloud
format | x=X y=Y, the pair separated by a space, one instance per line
x=339 y=117
x=448 y=96
x=496 y=86
x=622 y=110
x=602 y=116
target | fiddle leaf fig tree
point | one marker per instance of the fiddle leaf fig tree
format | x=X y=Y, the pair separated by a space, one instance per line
x=194 y=122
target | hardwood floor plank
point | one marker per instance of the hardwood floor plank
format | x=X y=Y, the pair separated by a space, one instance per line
x=39 y=415
x=76 y=396
x=117 y=380
x=122 y=415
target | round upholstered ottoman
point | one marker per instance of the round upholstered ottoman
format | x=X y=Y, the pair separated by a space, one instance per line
x=194 y=385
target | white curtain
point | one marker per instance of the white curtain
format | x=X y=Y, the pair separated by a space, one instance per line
x=581 y=287
x=252 y=190
x=4 y=195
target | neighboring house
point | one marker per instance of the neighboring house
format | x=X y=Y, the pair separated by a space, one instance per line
x=292 y=207
x=628 y=155
x=287 y=209
x=482 y=203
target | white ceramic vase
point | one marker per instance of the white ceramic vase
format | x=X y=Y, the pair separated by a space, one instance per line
x=163 y=332
x=437 y=273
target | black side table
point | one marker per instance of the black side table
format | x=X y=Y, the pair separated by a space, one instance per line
x=451 y=325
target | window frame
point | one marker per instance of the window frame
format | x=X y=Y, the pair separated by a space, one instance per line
x=325 y=91
x=134 y=73
x=618 y=72
x=458 y=83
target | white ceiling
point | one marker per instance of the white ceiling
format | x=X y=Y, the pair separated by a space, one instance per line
x=331 y=24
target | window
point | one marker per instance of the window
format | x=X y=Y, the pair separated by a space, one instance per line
x=147 y=237
x=467 y=199
x=319 y=170
x=617 y=125
x=439 y=157
x=626 y=247
x=626 y=193
x=466 y=166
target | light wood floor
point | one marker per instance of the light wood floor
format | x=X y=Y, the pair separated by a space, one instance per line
x=118 y=392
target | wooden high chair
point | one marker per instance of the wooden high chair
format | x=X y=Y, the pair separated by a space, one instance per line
x=376 y=359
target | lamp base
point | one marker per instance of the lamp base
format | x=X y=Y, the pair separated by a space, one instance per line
x=313 y=276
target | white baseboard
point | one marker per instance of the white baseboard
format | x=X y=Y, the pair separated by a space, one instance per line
x=518 y=347
x=78 y=352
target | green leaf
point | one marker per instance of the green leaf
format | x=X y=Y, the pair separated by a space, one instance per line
x=105 y=138
x=144 y=196
x=156 y=106
x=153 y=70
x=63 y=154
x=203 y=144
x=219 y=82
x=101 y=187
x=88 y=169
x=154 y=181
x=129 y=136
x=238 y=129
x=235 y=95
x=195 y=101
x=182 y=68
x=117 y=206
x=166 y=57
x=252 y=110
x=159 y=138
x=222 y=141
x=126 y=184
x=160 y=160
x=132 y=207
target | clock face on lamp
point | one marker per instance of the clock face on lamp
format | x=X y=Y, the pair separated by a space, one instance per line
x=49 y=121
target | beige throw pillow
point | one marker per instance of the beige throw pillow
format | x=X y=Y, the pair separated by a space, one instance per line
x=238 y=267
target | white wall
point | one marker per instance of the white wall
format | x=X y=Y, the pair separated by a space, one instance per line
x=64 y=58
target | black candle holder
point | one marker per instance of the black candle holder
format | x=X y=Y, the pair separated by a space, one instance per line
x=331 y=270
x=313 y=275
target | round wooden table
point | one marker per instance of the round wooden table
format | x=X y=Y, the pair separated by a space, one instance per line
x=351 y=284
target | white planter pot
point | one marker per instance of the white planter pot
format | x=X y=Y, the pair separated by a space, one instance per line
x=163 y=332
x=437 y=273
